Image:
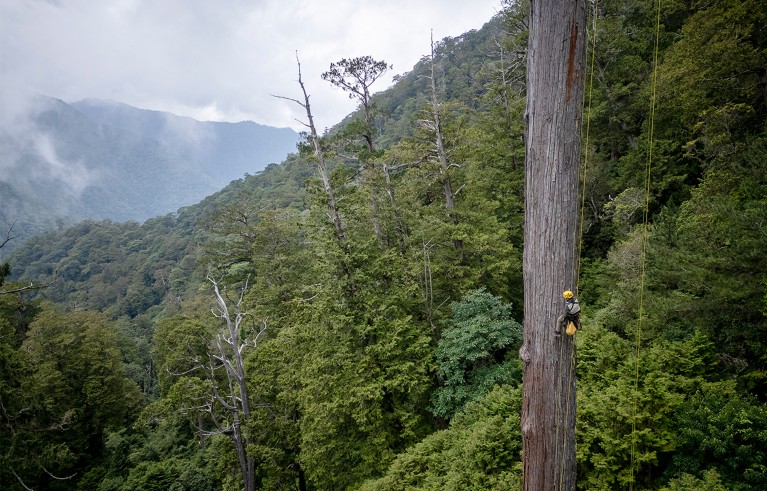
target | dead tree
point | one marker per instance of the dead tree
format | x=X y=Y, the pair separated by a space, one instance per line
x=229 y=406
x=319 y=155
x=553 y=116
x=435 y=125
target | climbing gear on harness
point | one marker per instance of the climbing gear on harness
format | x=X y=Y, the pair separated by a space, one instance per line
x=571 y=328
x=571 y=317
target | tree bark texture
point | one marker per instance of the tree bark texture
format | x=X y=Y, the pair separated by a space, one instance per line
x=556 y=56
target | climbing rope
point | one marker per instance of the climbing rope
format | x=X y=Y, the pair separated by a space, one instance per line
x=571 y=364
x=586 y=143
x=648 y=169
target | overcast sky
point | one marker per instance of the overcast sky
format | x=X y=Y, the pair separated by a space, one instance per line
x=216 y=60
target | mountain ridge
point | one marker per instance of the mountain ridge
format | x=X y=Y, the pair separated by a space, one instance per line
x=96 y=159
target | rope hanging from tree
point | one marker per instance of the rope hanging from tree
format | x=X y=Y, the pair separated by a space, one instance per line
x=571 y=317
x=645 y=222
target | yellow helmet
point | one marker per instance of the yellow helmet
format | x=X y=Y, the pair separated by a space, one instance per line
x=568 y=294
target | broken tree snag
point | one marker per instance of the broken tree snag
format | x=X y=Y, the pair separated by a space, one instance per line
x=556 y=54
x=319 y=155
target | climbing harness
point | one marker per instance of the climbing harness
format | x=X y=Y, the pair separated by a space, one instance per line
x=572 y=313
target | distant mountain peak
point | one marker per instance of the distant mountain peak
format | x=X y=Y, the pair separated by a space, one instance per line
x=103 y=159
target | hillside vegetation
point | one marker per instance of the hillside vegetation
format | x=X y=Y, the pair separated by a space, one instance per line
x=98 y=160
x=244 y=342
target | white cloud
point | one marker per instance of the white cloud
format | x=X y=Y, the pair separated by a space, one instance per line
x=74 y=175
x=216 y=60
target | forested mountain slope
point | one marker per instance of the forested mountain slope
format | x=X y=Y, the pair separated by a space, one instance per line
x=223 y=151
x=244 y=342
x=104 y=160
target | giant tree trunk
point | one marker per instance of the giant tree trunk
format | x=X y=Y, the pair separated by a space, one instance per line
x=554 y=106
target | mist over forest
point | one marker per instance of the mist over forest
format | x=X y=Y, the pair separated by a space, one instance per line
x=348 y=314
x=65 y=162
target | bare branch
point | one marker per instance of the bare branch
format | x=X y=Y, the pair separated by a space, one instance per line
x=8 y=236
x=319 y=155
x=260 y=332
x=181 y=374
x=218 y=431
x=242 y=293
x=30 y=286
x=289 y=99
x=346 y=156
x=56 y=477
x=20 y=481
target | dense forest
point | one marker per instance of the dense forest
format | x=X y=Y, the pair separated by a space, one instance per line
x=350 y=318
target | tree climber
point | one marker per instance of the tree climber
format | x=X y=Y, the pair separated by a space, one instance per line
x=571 y=317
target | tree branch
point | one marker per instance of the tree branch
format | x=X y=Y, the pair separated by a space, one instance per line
x=31 y=286
x=20 y=481
x=289 y=99
x=56 y=477
x=8 y=236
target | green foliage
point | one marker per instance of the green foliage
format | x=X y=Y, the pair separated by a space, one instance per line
x=723 y=430
x=179 y=341
x=715 y=64
x=362 y=334
x=78 y=368
x=68 y=389
x=481 y=450
x=168 y=457
x=688 y=482
x=713 y=243
x=476 y=353
x=364 y=377
x=627 y=406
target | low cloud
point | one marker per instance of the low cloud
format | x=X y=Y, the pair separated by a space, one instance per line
x=187 y=132
x=217 y=60
x=74 y=176
x=29 y=158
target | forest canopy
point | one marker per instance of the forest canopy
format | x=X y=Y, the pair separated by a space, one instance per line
x=243 y=343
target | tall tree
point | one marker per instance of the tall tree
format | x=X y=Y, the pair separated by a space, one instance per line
x=207 y=378
x=439 y=146
x=355 y=76
x=319 y=156
x=554 y=106
x=66 y=389
x=226 y=352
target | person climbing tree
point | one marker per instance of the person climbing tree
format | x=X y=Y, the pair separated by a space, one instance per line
x=554 y=105
x=571 y=317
